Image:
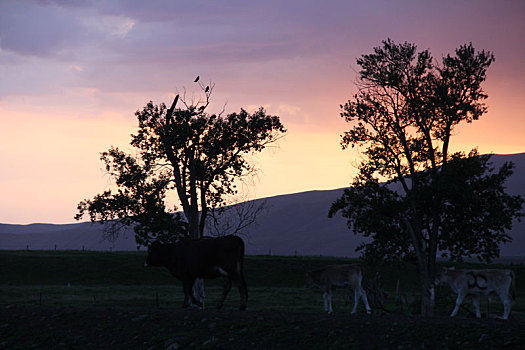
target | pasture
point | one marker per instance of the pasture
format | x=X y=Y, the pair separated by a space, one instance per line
x=68 y=299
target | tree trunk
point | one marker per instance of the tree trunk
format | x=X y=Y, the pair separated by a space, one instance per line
x=195 y=233
x=193 y=224
x=427 y=288
x=427 y=299
x=425 y=267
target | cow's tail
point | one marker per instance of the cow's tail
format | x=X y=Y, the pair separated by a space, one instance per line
x=513 y=285
x=243 y=290
x=240 y=258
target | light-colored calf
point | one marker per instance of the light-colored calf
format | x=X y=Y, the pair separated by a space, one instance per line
x=479 y=282
x=330 y=277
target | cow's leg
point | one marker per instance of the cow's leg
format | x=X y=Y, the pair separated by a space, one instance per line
x=330 y=309
x=360 y=293
x=475 y=302
x=243 y=291
x=189 y=298
x=225 y=291
x=198 y=291
x=507 y=302
x=506 y=308
x=459 y=300
x=238 y=277
x=328 y=300
x=432 y=292
x=187 y=287
x=357 y=294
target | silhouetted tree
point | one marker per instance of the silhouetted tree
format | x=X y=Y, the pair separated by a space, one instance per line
x=183 y=150
x=430 y=201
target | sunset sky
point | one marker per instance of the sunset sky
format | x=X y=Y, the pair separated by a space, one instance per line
x=72 y=74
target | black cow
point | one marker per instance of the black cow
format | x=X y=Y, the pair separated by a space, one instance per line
x=188 y=260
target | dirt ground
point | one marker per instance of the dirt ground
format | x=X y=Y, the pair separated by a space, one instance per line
x=40 y=327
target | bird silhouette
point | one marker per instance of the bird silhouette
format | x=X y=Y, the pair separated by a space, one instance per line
x=207 y=89
x=196 y=79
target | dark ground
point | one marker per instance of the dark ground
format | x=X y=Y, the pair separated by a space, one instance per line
x=43 y=327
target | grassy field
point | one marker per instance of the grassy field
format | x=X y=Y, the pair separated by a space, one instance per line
x=34 y=284
x=74 y=278
x=71 y=278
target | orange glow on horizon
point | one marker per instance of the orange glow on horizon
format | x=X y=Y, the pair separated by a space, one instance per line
x=72 y=94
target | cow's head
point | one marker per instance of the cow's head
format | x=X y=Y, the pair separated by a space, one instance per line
x=155 y=255
x=308 y=280
x=442 y=275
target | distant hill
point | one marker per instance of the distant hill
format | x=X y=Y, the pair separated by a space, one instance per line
x=293 y=224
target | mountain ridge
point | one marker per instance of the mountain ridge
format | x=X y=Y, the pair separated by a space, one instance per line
x=290 y=224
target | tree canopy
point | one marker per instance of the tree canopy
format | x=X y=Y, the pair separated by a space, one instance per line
x=188 y=151
x=412 y=196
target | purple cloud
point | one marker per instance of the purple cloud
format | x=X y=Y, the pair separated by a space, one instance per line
x=30 y=29
x=130 y=45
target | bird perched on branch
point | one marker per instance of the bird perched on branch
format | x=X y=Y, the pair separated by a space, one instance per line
x=196 y=79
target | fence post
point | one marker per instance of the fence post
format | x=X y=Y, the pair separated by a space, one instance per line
x=397 y=291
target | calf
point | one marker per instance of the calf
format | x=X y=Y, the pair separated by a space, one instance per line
x=330 y=277
x=479 y=282
x=188 y=260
